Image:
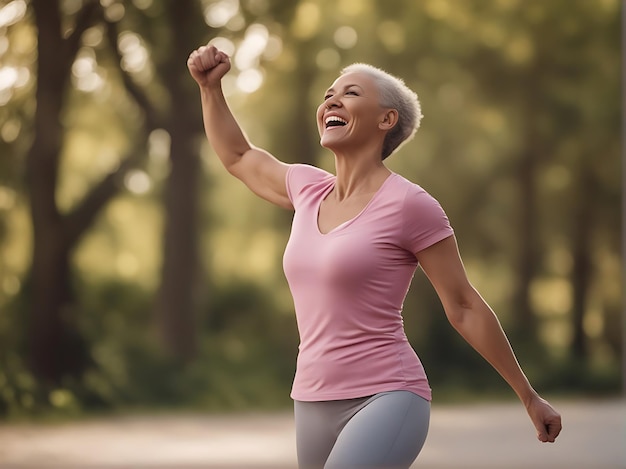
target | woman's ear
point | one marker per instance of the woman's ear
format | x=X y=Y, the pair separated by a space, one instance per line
x=390 y=119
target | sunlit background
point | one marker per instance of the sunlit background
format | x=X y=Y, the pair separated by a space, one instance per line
x=134 y=272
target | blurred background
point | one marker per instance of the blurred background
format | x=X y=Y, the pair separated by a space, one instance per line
x=136 y=274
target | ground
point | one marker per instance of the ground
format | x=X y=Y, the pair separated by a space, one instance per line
x=485 y=436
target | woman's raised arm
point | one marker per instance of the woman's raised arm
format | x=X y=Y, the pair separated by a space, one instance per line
x=258 y=169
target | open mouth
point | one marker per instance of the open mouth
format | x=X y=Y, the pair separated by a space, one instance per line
x=334 y=121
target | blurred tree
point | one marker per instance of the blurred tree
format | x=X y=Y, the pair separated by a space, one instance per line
x=171 y=30
x=55 y=346
x=176 y=305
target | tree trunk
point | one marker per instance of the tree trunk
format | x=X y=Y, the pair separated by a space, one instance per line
x=55 y=347
x=529 y=254
x=582 y=269
x=180 y=249
x=524 y=317
x=52 y=352
x=580 y=281
x=177 y=292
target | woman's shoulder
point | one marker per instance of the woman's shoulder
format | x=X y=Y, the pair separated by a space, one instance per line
x=424 y=221
x=301 y=177
x=409 y=189
x=414 y=196
x=308 y=171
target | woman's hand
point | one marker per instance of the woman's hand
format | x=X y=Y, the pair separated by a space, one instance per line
x=208 y=65
x=547 y=421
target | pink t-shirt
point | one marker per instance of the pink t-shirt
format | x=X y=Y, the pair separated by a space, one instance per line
x=349 y=285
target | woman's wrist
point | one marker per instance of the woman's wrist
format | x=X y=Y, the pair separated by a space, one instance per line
x=527 y=396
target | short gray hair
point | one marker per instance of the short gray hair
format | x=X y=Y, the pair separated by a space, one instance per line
x=396 y=95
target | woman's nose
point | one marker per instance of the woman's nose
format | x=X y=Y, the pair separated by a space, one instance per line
x=332 y=102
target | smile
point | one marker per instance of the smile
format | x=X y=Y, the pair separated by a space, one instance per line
x=335 y=121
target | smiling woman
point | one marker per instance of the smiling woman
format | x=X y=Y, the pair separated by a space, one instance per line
x=392 y=94
x=361 y=395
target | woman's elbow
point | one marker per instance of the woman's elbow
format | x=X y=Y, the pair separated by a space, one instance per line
x=456 y=316
x=461 y=307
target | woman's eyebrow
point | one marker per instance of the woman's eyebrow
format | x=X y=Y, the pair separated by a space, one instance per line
x=332 y=90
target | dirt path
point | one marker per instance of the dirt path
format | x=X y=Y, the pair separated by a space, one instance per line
x=468 y=436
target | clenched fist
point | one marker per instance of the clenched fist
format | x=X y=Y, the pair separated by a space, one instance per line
x=208 y=65
x=547 y=421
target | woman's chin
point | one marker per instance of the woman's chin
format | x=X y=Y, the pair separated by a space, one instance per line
x=330 y=143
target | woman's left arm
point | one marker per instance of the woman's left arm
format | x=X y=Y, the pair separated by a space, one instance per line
x=472 y=317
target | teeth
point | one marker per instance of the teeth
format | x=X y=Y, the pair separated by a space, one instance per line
x=335 y=119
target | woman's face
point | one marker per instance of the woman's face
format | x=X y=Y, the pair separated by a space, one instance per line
x=350 y=113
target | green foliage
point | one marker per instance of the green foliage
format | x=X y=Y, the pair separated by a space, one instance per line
x=241 y=363
x=573 y=378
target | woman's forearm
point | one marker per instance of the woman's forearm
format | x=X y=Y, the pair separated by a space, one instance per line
x=480 y=327
x=222 y=130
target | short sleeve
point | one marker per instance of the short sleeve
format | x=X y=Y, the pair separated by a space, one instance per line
x=424 y=221
x=300 y=177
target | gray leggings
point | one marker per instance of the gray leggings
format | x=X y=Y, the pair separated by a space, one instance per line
x=386 y=430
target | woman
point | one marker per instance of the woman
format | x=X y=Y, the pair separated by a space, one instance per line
x=361 y=396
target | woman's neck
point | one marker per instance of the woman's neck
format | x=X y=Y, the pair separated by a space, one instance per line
x=358 y=175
